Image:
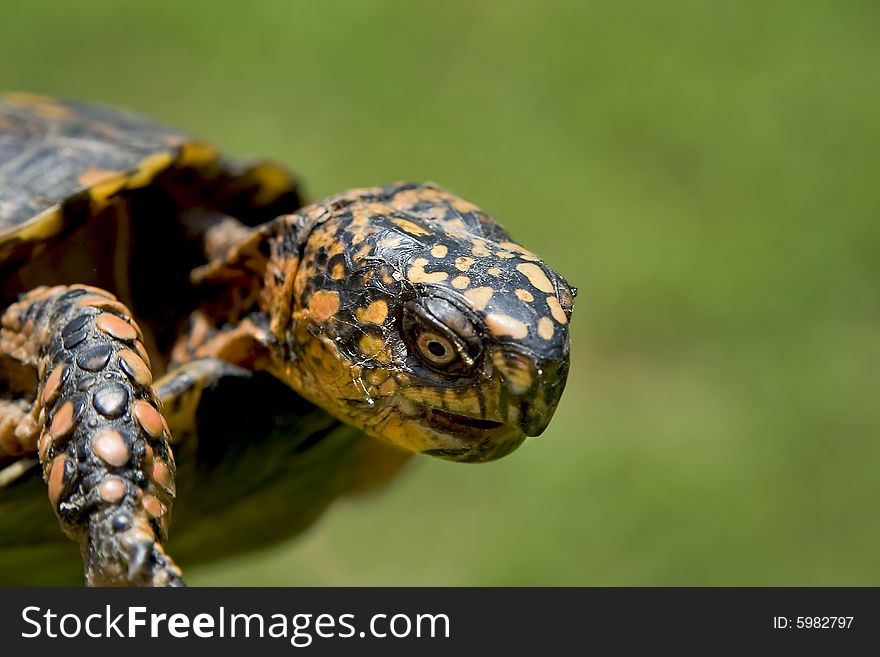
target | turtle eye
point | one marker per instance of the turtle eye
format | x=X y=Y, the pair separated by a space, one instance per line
x=440 y=336
x=435 y=348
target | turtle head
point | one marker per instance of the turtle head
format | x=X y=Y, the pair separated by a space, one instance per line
x=416 y=318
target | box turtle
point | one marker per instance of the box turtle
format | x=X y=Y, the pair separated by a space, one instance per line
x=179 y=325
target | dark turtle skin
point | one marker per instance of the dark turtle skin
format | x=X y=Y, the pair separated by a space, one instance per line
x=182 y=330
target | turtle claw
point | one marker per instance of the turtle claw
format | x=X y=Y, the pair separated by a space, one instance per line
x=133 y=558
x=138 y=561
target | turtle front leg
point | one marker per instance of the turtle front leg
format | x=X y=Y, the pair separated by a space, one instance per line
x=103 y=443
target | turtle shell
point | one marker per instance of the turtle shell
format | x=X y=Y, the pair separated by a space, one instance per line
x=61 y=162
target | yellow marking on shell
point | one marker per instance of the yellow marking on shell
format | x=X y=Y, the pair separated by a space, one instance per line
x=440 y=251
x=45 y=225
x=409 y=227
x=435 y=213
x=506 y=325
x=460 y=282
x=556 y=310
x=338 y=271
x=148 y=168
x=463 y=263
x=323 y=305
x=102 y=191
x=536 y=276
x=479 y=297
x=95 y=176
x=545 y=328
x=375 y=313
x=479 y=249
x=417 y=273
x=507 y=255
x=44 y=105
x=493 y=271
x=373 y=346
x=364 y=213
x=197 y=154
x=274 y=181
x=524 y=295
x=408 y=198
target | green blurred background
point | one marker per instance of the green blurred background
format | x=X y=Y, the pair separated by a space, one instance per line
x=705 y=172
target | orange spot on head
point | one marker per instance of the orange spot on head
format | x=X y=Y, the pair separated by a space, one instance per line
x=479 y=249
x=463 y=263
x=545 y=328
x=375 y=313
x=479 y=297
x=323 y=305
x=502 y=325
x=417 y=273
x=371 y=346
x=536 y=276
x=556 y=310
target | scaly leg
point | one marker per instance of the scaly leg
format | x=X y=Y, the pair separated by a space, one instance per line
x=102 y=442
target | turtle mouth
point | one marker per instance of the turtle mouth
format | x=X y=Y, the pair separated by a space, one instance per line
x=472 y=439
x=461 y=424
